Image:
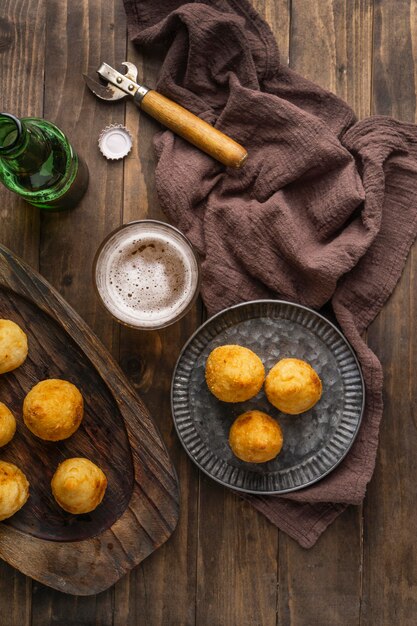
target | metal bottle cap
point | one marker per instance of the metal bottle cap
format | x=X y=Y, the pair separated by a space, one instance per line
x=115 y=141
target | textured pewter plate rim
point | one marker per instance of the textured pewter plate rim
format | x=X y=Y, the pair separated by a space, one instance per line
x=174 y=396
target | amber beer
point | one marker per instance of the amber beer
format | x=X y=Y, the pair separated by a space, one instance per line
x=147 y=274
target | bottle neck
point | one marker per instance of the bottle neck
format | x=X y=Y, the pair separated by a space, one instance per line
x=23 y=145
x=11 y=133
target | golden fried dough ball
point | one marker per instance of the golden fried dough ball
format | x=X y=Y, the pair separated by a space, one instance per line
x=234 y=373
x=53 y=409
x=13 y=346
x=7 y=425
x=255 y=437
x=78 y=485
x=292 y=386
x=14 y=489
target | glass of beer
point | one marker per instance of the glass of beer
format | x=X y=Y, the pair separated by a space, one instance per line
x=147 y=274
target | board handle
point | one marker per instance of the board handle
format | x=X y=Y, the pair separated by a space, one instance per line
x=193 y=129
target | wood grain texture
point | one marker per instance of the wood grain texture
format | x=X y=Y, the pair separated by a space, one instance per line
x=21 y=93
x=339 y=56
x=70 y=239
x=170 y=573
x=390 y=566
x=92 y=565
x=16 y=597
x=314 y=588
x=148 y=359
x=22 y=43
x=322 y=585
x=277 y=14
x=80 y=35
x=237 y=559
x=50 y=607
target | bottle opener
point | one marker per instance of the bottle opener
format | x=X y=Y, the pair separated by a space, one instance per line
x=113 y=86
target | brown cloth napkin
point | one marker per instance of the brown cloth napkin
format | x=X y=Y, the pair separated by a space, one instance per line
x=325 y=208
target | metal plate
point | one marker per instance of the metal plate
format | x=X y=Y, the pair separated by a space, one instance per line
x=314 y=442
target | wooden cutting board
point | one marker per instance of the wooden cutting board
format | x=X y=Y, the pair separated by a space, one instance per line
x=80 y=554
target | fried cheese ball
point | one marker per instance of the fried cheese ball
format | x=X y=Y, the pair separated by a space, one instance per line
x=255 y=437
x=78 y=485
x=7 y=425
x=292 y=386
x=14 y=489
x=53 y=409
x=13 y=346
x=234 y=373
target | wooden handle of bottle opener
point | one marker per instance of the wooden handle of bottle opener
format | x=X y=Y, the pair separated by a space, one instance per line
x=193 y=129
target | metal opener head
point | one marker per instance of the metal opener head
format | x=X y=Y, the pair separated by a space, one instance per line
x=112 y=85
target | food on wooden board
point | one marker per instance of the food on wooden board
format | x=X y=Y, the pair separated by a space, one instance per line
x=13 y=346
x=14 y=489
x=234 y=373
x=7 y=425
x=292 y=386
x=255 y=437
x=53 y=409
x=78 y=485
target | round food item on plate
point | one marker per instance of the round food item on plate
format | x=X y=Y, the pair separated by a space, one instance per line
x=234 y=373
x=255 y=437
x=13 y=346
x=78 y=485
x=7 y=425
x=53 y=409
x=292 y=386
x=14 y=489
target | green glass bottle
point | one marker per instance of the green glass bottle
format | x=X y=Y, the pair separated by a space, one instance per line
x=38 y=162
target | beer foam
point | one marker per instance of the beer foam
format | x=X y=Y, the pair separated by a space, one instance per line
x=146 y=276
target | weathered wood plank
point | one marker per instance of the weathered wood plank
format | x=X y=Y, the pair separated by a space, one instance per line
x=80 y=34
x=237 y=548
x=237 y=561
x=322 y=585
x=16 y=597
x=69 y=240
x=277 y=14
x=390 y=568
x=148 y=358
x=331 y=43
x=22 y=42
x=52 y=607
x=169 y=574
x=395 y=53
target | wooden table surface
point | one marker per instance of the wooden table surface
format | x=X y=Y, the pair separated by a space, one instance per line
x=225 y=565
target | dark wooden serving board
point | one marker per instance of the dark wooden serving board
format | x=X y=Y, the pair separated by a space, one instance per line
x=80 y=554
